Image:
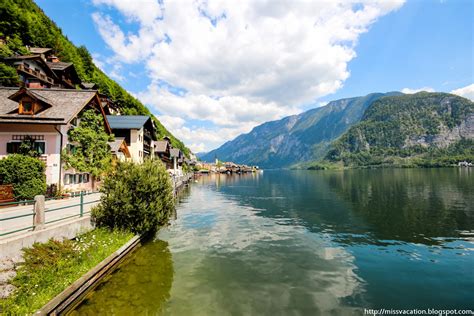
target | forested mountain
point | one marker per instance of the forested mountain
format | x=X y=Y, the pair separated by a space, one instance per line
x=23 y=23
x=423 y=129
x=296 y=138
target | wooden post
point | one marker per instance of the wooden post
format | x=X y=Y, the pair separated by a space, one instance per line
x=38 y=209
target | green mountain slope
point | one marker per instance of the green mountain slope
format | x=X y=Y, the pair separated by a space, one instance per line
x=296 y=138
x=23 y=23
x=423 y=129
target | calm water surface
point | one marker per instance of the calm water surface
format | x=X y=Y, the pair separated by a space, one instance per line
x=305 y=243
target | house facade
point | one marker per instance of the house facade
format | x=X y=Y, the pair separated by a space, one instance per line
x=138 y=132
x=120 y=150
x=163 y=152
x=45 y=116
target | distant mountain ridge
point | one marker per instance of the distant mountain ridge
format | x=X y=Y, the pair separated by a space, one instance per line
x=297 y=138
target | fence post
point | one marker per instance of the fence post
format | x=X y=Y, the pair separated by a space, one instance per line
x=38 y=209
x=82 y=204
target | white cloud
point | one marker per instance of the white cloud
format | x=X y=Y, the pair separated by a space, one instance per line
x=201 y=139
x=224 y=111
x=412 y=91
x=243 y=62
x=466 y=92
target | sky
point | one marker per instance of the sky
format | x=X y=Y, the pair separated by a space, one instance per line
x=211 y=70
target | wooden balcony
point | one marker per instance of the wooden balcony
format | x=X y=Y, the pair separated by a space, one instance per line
x=35 y=74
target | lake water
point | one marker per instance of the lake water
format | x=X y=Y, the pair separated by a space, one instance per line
x=305 y=243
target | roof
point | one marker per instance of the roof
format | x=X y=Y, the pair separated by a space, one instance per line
x=65 y=104
x=88 y=85
x=117 y=145
x=161 y=146
x=39 y=50
x=175 y=152
x=59 y=65
x=127 y=121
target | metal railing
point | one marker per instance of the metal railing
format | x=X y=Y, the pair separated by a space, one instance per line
x=178 y=181
x=39 y=210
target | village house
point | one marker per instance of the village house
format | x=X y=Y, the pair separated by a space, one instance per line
x=34 y=71
x=41 y=69
x=66 y=74
x=178 y=159
x=138 y=132
x=163 y=152
x=120 y=150
x=46 y=115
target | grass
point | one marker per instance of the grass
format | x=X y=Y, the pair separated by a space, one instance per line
x=52 y=266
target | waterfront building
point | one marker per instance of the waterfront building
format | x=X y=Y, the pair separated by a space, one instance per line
x=120 y=150
x=178 y=159
x=138 y=132
x=163 y=152
x=45 y=116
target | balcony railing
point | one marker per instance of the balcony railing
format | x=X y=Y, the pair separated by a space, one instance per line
x=35 y=73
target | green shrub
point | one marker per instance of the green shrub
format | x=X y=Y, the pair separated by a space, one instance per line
x=25 y=173
x=135 y=197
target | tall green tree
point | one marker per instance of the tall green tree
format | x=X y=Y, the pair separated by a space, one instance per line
x=90 y=151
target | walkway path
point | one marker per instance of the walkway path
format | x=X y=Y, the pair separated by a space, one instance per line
x=71 y=209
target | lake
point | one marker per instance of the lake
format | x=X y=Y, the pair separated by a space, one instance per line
x=305 y=243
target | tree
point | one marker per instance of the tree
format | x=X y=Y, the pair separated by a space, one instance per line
x=28 y=148
x=90 y=151
x=8 y=76
x=25 y=173
x=135 y=197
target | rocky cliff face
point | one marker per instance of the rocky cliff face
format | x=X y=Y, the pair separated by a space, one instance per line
x=296 y=138
x=421 y=125
x=446 y=136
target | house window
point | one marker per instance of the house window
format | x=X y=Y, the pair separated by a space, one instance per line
x=26 y=107
x=71 y=149
x=14 y=147
x=85 y=178
x=77 y=178
x=39 y=147
x=67 y=179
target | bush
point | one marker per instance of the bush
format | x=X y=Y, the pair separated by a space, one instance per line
x=135 y=197
x=25 y=173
